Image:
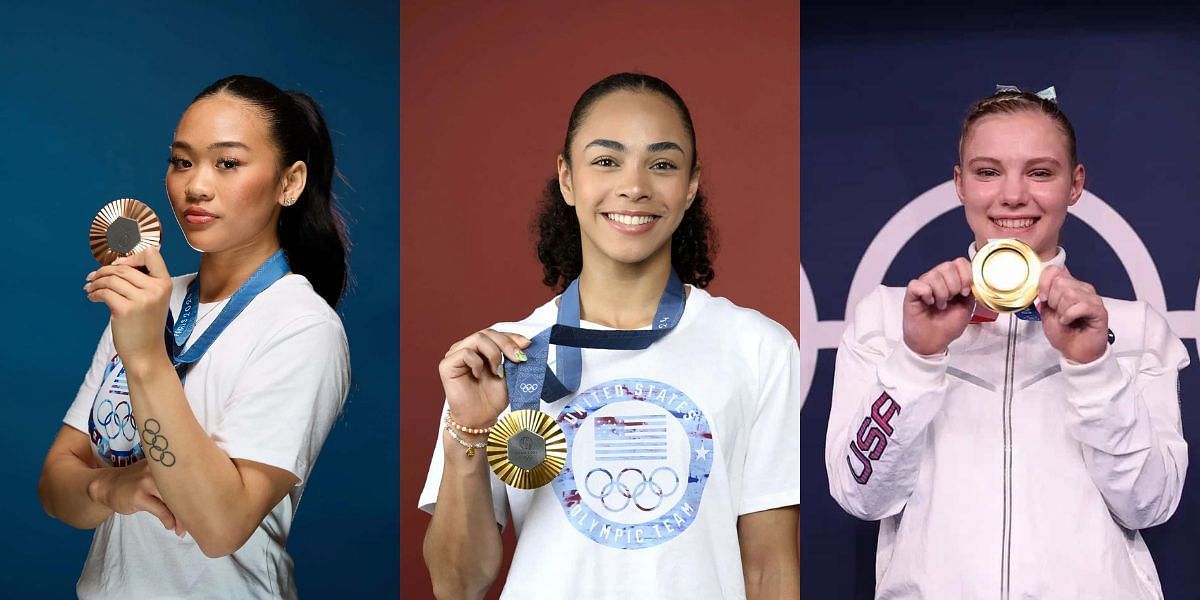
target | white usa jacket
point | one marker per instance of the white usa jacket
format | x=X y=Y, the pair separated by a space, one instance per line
x=1002 y=470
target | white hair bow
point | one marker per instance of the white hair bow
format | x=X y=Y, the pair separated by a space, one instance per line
x=1046 y=94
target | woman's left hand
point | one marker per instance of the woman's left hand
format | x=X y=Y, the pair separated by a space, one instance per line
x=1073 y=315
x=138 y=302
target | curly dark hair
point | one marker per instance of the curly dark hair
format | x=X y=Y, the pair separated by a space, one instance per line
x=559 y=246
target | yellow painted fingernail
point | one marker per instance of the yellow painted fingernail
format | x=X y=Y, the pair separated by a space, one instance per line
x=521 y=356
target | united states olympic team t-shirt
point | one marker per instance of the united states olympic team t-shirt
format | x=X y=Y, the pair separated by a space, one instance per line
x=667 y=447
x=268 y=390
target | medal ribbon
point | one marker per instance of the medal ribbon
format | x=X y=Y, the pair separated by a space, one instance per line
x=178 y=332
x=981 y=314
x=533 y=381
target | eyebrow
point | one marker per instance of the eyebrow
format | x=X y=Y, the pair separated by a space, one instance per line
x=186 y=146
x=1040 y=159
x=1043 y=159
x=619 y=147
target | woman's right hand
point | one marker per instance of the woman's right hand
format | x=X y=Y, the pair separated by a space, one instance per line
x=127 y=490
x=470 y=373
x=937 y=307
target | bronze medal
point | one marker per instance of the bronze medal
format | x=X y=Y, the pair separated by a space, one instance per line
x=1005 y=275
x=122 y=228
x=527 y=449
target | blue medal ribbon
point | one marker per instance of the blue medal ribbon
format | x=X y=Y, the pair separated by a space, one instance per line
x=533 y=381
x=1029 y=313
x=178 y=332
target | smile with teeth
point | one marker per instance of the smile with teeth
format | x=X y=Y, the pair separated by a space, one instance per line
x=1023 y=223
x=630 y=219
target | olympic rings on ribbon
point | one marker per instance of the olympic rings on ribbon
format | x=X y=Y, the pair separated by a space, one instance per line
x=164 y=456
x=632 y=491
x=529 y=387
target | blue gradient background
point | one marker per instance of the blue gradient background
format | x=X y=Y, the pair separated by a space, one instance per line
x=89 y=97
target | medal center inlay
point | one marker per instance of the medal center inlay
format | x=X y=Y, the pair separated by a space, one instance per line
x=526 y=449
x=1005 y=271
x=123 y=235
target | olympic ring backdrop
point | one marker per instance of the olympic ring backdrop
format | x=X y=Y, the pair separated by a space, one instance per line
x=93 y=114
x=881 y=109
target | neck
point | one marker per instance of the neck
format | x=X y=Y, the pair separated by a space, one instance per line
x=1048 y=255
x=623 y=296
x=222 y=273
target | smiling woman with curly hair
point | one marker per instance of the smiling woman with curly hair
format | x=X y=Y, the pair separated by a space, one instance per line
x=640 y=428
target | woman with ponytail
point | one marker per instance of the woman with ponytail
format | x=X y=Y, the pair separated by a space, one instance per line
x=209 y=397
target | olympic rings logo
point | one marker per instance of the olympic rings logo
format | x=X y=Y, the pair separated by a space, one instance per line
x=529 y=387
x=151 y=439
x=632 y=491
x=117 y=422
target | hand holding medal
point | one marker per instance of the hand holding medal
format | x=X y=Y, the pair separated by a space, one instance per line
x=472 y=377
x=527 y=448
x=1009 y=278
x=937 y=307
x=125 y=237
x=1073 y=315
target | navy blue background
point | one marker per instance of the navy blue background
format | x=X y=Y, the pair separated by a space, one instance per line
x=89 y=97
x=883 y=92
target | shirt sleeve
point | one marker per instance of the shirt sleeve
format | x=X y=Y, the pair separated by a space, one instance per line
x=77 y=414
x=288 y=396
x=1123 y=408
x=433 y=481
x=771 y=473
x=884 y=397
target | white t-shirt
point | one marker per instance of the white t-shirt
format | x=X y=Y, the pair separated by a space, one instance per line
x=667 y=447
x=268 y=390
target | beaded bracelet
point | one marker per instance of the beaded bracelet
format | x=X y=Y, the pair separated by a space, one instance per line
x=471 y=448
x=463 y=428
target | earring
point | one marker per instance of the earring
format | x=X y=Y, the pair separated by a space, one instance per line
x=289 y=201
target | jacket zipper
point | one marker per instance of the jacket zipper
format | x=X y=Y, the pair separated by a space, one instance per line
x=1010 y=367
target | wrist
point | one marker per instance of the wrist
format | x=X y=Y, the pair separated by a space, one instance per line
x=1081 y=359
x=926 y=351
x=97 y=488
x=458 y=456
x=143 y=366
x=904 y=367
x=1083 y=356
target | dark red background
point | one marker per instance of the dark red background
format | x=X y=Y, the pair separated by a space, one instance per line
x=485 y=91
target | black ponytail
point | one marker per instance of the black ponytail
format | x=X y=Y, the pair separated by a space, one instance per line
x=311 y=231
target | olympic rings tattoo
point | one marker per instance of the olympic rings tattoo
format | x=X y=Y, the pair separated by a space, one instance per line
x=631 y=489
x=151 y=439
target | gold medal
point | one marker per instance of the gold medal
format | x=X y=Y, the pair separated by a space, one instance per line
x=122 y=228
x=1005 y=275
x=527 y=449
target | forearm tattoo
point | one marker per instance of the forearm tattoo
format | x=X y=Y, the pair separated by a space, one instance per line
x=155 y=444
